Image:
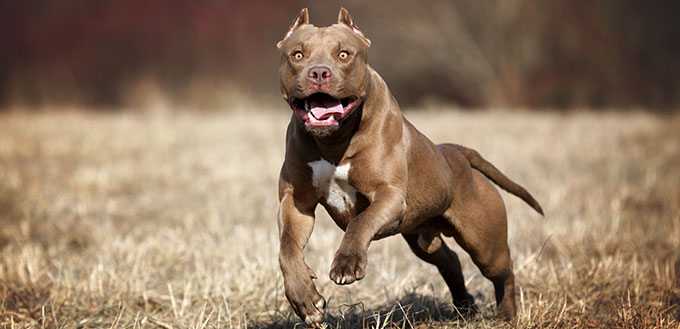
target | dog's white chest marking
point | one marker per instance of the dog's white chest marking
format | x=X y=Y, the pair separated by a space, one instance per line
x=332 y=184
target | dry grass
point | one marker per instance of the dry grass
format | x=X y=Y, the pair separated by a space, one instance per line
x=141 y=220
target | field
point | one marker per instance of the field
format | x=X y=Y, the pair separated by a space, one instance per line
x=129 y=219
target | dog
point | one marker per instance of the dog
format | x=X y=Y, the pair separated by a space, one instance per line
x=350 y=149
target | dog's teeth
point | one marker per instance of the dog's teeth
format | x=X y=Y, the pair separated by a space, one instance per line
x=306 y=105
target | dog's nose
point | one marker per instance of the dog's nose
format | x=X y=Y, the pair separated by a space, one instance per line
x=319 y=74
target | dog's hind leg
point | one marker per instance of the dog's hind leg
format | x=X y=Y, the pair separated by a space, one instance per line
x=480 y=228
x=497 y=267
x=477 y=220
x=449 y=267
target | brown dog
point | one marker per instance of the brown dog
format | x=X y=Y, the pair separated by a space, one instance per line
x=349 y=148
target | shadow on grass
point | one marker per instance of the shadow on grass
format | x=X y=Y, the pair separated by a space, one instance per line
x=406 y=312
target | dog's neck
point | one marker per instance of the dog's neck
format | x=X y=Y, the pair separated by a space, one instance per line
x=334 y=146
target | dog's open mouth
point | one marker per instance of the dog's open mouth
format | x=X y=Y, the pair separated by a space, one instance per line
x=322 y=110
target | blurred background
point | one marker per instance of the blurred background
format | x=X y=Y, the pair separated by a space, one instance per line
x=211 y=54
x=141 y=142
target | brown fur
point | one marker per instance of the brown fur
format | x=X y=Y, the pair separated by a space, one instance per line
x=404 y=183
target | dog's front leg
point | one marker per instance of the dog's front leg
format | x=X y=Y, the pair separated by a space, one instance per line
x=295 y=227
x=385 y=211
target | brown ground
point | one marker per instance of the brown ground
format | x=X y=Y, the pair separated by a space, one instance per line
x=168 y=220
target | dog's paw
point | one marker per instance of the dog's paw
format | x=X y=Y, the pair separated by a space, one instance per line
x=465 y=307
x=307 y=303
x=348 y=268
x=315 y=319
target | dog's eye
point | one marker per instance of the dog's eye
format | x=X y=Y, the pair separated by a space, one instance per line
x=298 y=55
x=343 y=54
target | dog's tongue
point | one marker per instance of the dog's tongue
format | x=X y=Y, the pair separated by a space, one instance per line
x=323 y=106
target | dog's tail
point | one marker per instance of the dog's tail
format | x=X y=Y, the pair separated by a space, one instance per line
x=496 y=176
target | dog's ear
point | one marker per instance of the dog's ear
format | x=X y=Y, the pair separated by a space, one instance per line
x=345 y=18
x=301 y=18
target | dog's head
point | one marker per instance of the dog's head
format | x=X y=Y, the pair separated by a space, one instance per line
x=324 y=75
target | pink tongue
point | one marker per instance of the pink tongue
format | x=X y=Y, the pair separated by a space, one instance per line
x=322 y=108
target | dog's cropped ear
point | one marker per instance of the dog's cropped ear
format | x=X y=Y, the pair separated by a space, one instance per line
x=345 y=18
x=301 y=18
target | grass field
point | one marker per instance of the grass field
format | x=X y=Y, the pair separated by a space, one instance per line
x=128 y=220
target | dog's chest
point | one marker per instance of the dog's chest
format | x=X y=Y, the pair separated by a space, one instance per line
x=331 y=183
